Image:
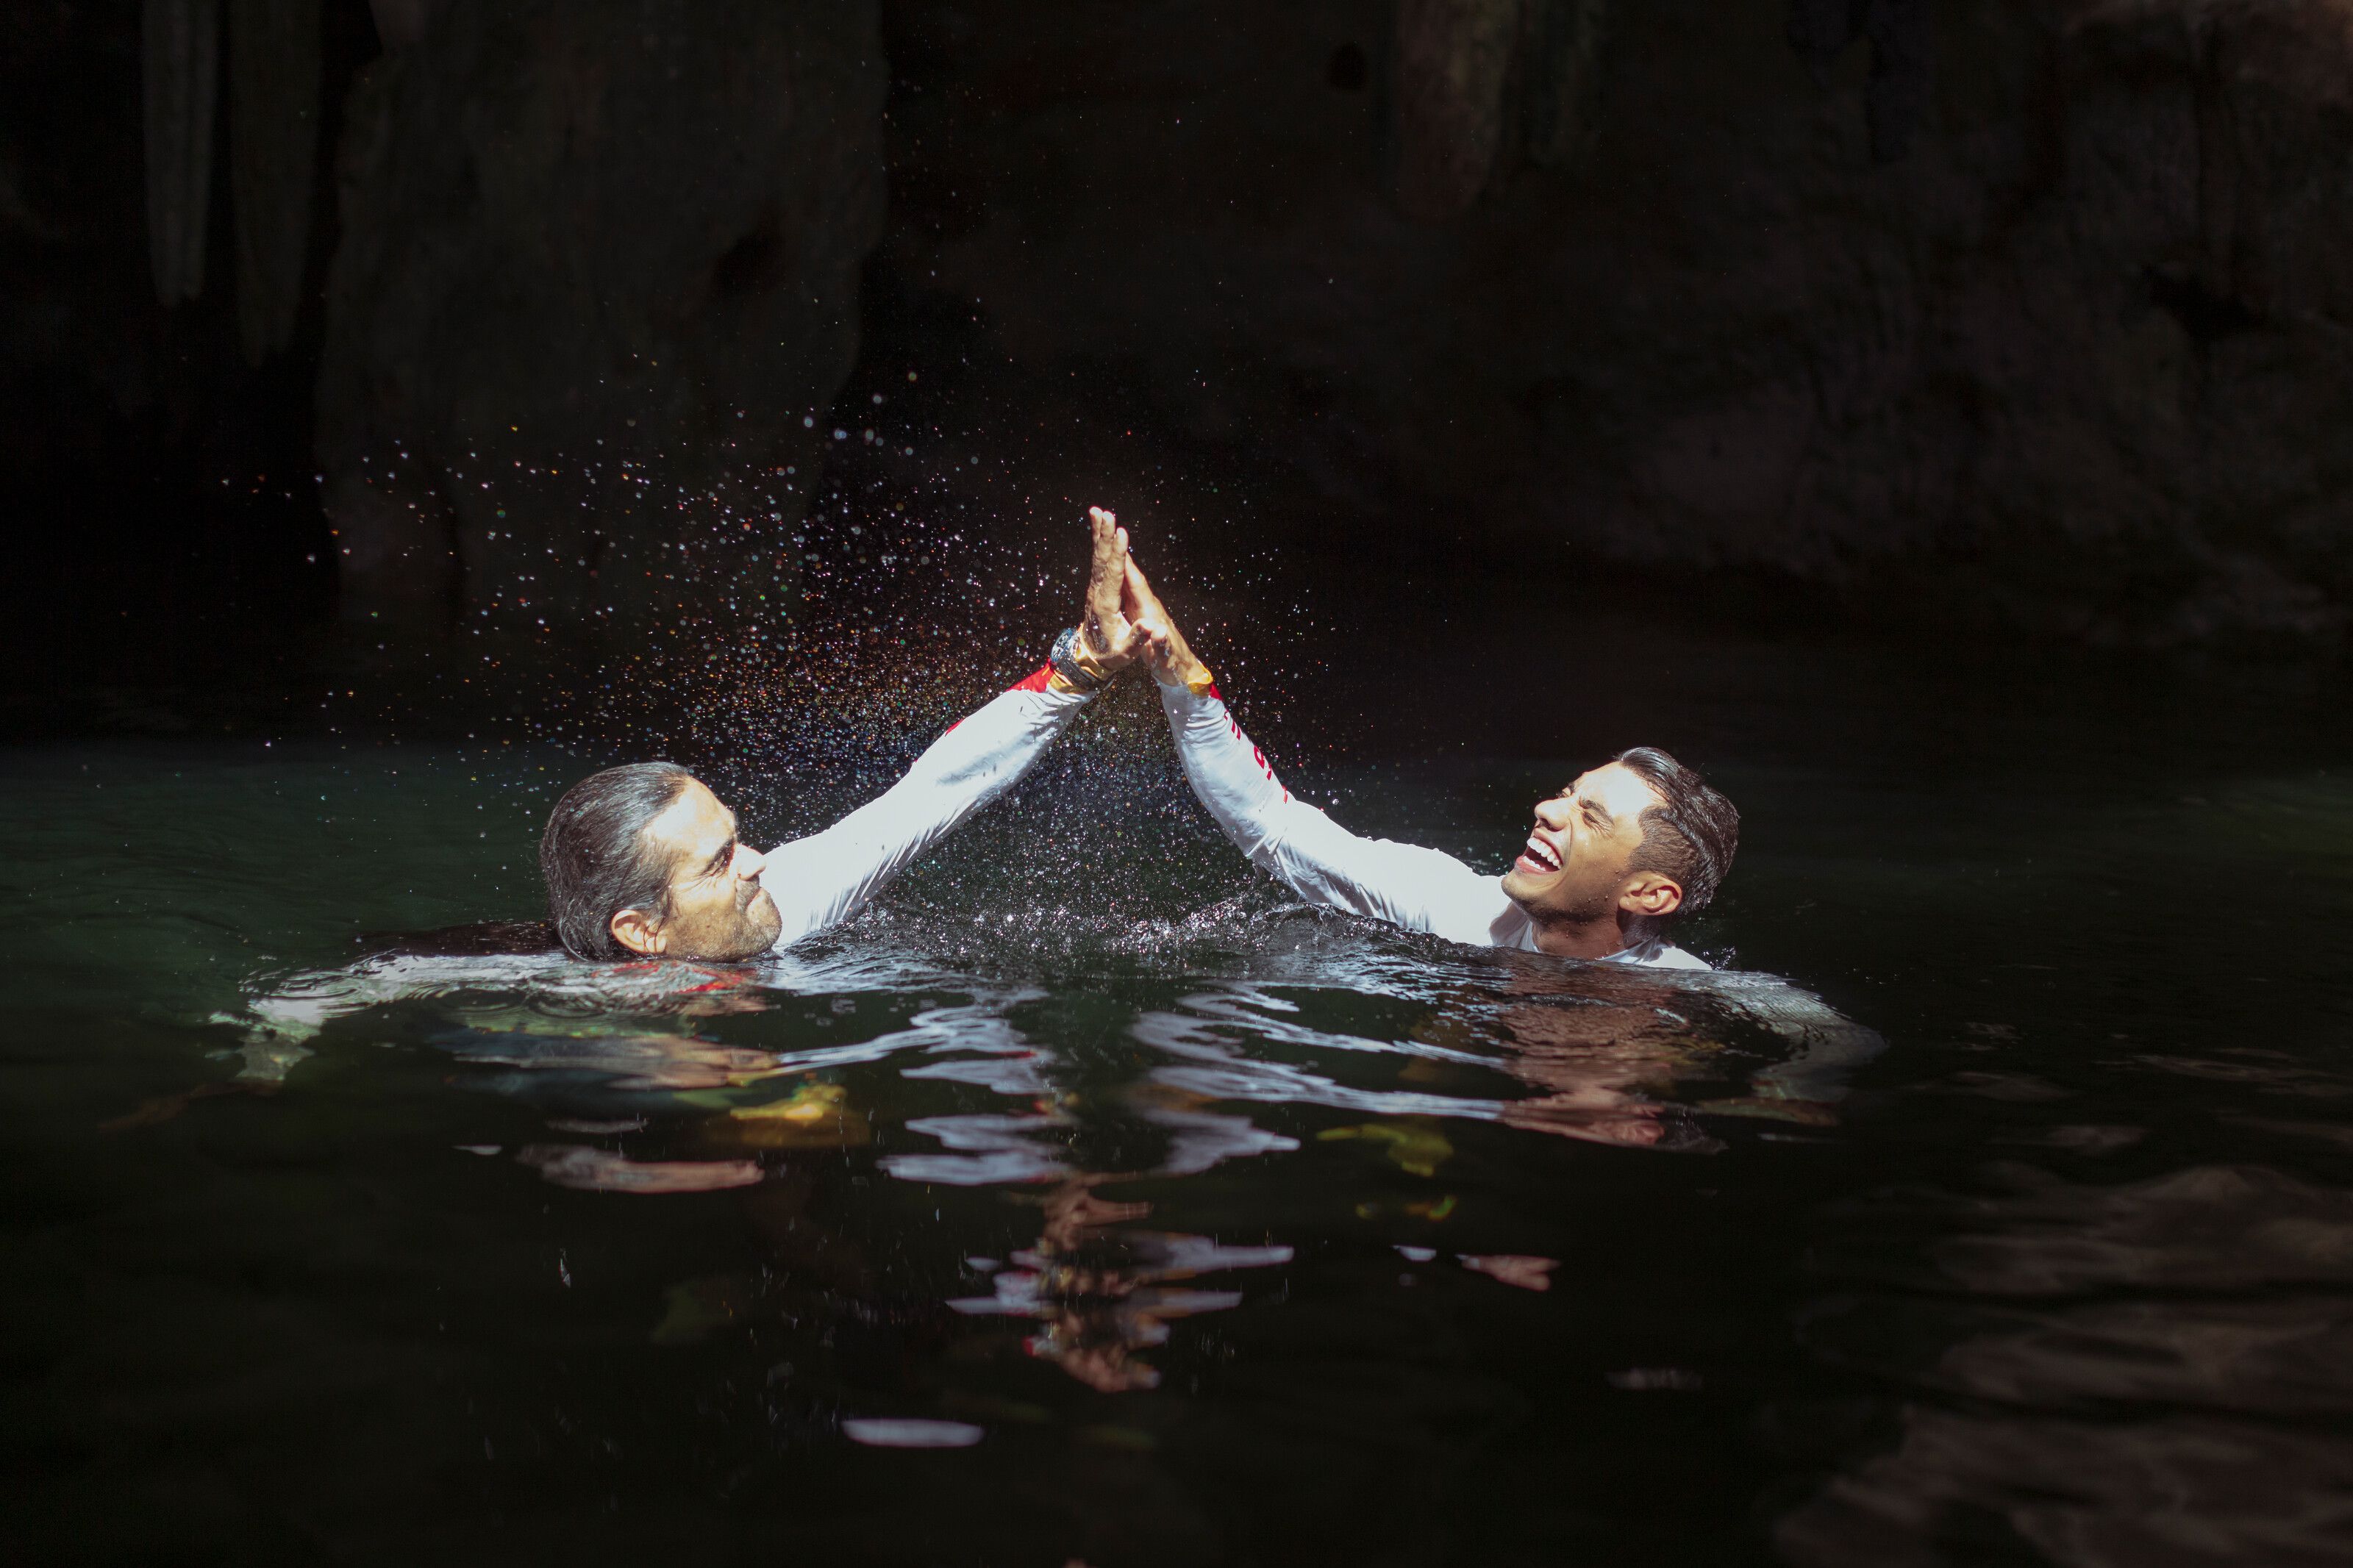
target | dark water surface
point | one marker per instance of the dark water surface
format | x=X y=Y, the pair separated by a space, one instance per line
x=1170 y=1223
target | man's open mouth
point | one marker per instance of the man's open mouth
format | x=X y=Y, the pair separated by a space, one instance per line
x=1539 y=857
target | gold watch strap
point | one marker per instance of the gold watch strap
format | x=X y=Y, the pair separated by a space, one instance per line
x=1198 y=683
x=1087 y=661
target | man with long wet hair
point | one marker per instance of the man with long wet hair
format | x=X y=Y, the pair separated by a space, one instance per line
x=1612 y=861
x=643 y=861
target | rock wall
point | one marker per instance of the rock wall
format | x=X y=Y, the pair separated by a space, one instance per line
x=598 y=272
x=2027 y=311
x=276 y=52
x=2035 y=310
x=180 y=79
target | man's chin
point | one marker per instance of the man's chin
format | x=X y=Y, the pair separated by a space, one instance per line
x=755 y=941
x=1542 y=898
x=762 y=926
x=737 y=950
x=754 y=937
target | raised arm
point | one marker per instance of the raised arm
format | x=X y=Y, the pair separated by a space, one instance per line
x=1404 y=884
x=829 y=877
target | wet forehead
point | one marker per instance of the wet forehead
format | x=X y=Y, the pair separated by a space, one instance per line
x=695 y=827
x=1616 y=789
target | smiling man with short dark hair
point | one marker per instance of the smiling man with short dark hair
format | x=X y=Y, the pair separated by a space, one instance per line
x=1611 y=861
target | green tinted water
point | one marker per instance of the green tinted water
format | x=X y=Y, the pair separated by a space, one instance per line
x=1174 y=1225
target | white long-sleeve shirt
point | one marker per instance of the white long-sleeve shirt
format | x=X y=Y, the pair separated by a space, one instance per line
x=829 y=877
x=1323 y=863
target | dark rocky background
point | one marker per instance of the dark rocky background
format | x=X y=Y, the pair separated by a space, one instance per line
x=333 y=332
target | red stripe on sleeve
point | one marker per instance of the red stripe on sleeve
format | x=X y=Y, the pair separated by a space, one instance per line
x=1034 y=681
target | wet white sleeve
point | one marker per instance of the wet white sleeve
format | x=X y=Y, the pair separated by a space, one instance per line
x=829 y=877
x=1421 y=889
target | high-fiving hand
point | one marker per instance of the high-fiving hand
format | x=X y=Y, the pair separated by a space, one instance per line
x=1108 y=639
x=1165 y=649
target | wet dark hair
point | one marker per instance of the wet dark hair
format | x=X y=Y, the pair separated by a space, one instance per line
x=594 y=858
x=1691 y=835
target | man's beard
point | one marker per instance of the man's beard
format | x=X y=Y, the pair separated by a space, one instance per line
x=757 y=927
x=752 y=931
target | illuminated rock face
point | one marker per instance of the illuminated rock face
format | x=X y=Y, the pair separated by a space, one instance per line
x=581 y=234
x=2037 y=308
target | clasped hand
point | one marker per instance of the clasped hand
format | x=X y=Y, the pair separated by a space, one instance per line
x=1125 y=620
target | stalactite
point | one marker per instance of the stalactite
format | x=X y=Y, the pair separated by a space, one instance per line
x=180 y=75
x=1903 y=56
x=1901 y=34
x=400 y=23
x=1820 y=30
x=273 y=128
x=1562 y=69
x=1452 y=57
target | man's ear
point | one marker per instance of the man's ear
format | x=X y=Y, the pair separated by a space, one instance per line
x=1651 y=895
x=640 y=933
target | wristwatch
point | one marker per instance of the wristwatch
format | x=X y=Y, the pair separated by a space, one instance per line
x=1071 y=662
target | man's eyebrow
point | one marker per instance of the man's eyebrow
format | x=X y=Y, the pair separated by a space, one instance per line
x=1596 y=810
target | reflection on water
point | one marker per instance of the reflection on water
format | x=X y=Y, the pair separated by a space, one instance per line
x=1417 y=1037
x=2157 y=1371
x=1599 y=1053
x=1102 y=1291
x=1017 y=1223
